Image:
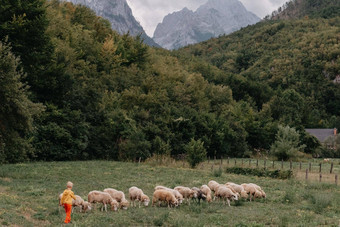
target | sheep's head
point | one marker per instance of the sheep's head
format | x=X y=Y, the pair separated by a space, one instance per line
x=124 y=204
x=174 y=202
x=86 y=206
x=114 y=205
x=234 y=197
x=263 y=194
x=145 y=200
x=244 y=194
x=258 y=194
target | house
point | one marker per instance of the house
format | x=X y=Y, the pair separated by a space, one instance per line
x=327 y=137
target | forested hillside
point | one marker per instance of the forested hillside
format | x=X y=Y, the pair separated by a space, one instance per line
x=282 y=68
x=73 y=89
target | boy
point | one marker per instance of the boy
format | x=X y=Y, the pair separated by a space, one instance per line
x=66 y=201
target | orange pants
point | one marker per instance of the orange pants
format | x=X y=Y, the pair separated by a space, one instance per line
x=68 y=209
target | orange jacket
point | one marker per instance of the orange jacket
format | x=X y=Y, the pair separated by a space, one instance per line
x=67 y=197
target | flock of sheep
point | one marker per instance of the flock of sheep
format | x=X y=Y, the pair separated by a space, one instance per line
x=172 y=197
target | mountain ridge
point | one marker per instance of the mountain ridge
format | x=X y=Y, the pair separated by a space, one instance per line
x=214 y=18
x=119 y=13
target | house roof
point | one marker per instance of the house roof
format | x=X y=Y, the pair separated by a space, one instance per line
x=321 y=134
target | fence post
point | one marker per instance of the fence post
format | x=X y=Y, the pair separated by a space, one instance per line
x=320 y=177
x=290 y=165
x=281 y=163
x=300 y=165
x=310 y=167
x=208 y=159
x=273 y=164
x=215 y=160
x=235 y=162
x=336 y=179
x=228 y=161
x=249 y=162
x=242 y=162
x=212 y=167
x=264 y=164
x=257 y=163
x=139 y=160
x=320 y=167
x=331 y=171
x=306 y=174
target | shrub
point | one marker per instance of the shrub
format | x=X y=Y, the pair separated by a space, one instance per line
x=279 y=174
x=287 y=145
x=196 y=153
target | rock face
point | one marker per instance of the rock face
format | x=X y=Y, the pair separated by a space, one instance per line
x=212 y=19
x=120 y=16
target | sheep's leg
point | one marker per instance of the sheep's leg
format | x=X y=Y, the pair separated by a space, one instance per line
x=228 y=201
x=105 y=207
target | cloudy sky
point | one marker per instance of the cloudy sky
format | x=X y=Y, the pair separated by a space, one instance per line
x=151 y=12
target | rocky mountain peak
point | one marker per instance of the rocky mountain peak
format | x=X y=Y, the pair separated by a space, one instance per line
x=211 y=19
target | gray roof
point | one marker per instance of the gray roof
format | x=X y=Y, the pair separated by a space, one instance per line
x=321 y=134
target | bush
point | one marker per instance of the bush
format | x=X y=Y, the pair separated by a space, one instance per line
x=196 y=153
x=279 y=174
x=287 y=145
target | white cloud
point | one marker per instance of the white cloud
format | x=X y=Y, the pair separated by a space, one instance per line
x=151 y=12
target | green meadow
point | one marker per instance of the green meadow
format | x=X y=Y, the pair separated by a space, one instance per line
x=29 y=197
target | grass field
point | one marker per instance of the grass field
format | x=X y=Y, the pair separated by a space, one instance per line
x=29 y=192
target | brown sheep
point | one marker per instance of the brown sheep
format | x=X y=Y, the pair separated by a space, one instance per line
x=186 y=192
x=207 y=192
x=225 y=193
x=104 y=198
x=176 y=193
x=164 y=195
x=119 y=196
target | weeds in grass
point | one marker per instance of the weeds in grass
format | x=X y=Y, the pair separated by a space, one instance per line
x=217 y=172
x=161 y=219
x=289 y=197
x=320 y=202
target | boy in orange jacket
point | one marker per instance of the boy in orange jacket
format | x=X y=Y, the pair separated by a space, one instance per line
x=66 y=201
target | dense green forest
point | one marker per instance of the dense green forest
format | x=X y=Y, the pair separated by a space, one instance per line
x=73 y=89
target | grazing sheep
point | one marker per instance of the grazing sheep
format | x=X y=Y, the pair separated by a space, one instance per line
x=263 y=194
x=104 y=198
x=250 y=189
x=207 y=192
x=225 y=193
x=239 y=189
x=200 y=194
x=163 y=195
x=212 y=185
x=186 y=192
x=78 y=202
x=137 y=194
x=176 y=193
x=119 y=196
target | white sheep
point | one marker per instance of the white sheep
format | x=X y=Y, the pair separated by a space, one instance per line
x=78 y=202
x=239 y=189
x=119 y=196
x=186 y=192
x=176 y=193
x=212 y=185
x=263 y=194
x=207 y=192
x=104 y=198
x=137 y=194
x=225 y=193
x=162 y=195
x=251 y=191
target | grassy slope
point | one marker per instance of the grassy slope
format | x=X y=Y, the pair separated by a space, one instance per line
x=28 y=195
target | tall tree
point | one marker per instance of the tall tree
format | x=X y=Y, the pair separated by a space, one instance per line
x=24 y=22
x=16 y=110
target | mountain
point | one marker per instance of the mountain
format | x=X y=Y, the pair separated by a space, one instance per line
x=120 y=16
x=296 y=9
x=214 y=18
